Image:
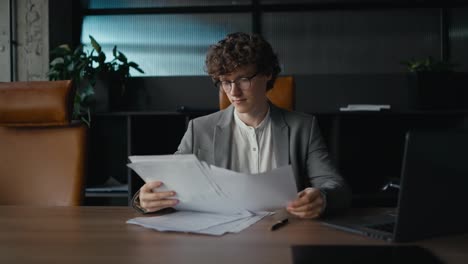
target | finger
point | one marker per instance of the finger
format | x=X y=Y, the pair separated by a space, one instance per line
x=149 y=186
x=160 y=204
x=301 y=200
x=156 y=195
x=297 y=203
x=307 y=203
x=308 y=191
x=312 y=193
x=306 y=215
x=308 y=208
x=306 y=196
x=155 y=209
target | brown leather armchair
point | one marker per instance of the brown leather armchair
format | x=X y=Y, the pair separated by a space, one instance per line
x=282 y=94
x=42 y=154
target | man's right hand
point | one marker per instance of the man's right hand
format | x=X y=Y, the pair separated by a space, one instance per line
x=152 y=200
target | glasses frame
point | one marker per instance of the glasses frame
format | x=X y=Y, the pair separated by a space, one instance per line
x=219 y=83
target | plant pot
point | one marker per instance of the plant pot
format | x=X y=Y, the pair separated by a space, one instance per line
x=437 y=90
x=109 y=93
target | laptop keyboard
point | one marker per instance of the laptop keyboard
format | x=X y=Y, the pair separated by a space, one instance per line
x=387 y=227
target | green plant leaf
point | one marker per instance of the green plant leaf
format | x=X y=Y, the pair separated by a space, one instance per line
x=135 y=66
x=101 y=58
x=429 y=64
x=53 y=75
x=78 y=51
x=95 y=44
x=121 y=57
x=132 y=64
x=56 y=61
x=83 y=67
x=65 y=47
x=71 y=66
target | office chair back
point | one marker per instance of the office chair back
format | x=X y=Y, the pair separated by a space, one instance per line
x=282 y=94
x=42 y=154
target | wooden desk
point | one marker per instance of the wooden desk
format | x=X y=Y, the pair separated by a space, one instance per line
x=100 y=235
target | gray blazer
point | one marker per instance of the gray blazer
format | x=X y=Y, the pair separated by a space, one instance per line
x=296 y=140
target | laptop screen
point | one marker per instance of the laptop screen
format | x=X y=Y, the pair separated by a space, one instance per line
x=434 y=185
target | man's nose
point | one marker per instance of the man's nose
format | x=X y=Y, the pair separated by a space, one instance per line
x=235 y=89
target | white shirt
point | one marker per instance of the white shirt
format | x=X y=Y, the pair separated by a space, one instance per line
x=252 y=148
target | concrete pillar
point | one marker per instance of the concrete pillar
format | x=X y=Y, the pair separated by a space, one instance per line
x=32 y=34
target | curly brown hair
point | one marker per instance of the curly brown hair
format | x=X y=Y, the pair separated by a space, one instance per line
x=242 y=49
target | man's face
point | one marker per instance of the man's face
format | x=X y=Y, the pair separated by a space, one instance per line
x=246 y=98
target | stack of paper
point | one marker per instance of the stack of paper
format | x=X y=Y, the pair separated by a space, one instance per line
x=197 y=222
x=364 y=107
x=212 y=200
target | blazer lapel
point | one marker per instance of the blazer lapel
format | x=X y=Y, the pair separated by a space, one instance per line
x=222 y=139
x=280 y=133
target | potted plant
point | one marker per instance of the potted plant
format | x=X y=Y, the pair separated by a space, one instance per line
x=88 y=70
x=433 y=84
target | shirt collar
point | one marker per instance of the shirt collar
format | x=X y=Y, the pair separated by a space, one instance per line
x=260 y=126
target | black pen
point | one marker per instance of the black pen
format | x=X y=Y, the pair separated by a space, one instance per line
x=279 y=224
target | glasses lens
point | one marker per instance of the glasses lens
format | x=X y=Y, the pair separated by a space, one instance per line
x=243 y=83
x=226 y=86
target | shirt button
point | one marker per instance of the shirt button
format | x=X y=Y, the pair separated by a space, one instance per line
x=254 y=149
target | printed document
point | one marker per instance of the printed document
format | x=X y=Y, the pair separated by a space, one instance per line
x=212 y=200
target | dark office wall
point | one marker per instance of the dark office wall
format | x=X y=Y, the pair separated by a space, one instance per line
x=352 y=41
x=64 y=23
x=458 y=37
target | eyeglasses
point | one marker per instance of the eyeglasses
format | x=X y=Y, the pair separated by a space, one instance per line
x=243 y=83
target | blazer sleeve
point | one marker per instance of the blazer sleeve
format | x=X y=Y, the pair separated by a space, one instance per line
x=323 y=174
x=186 y=144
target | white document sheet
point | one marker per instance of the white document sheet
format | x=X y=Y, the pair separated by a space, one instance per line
x=212 y=200
x=257 y=192
x=195 y=222
x=185 y=221
x=234 y=226
x=185 y=175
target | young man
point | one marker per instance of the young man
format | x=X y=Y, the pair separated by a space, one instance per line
x=252 y=135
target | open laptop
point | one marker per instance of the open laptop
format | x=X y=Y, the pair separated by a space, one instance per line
x=433 y=196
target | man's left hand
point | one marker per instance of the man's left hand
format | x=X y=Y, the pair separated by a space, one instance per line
x=308 y=205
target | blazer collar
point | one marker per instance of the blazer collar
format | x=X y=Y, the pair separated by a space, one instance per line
x=223 y=138
x=280 y=133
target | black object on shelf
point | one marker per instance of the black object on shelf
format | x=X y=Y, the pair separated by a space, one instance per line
x=437 y=90
x=111 y=188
